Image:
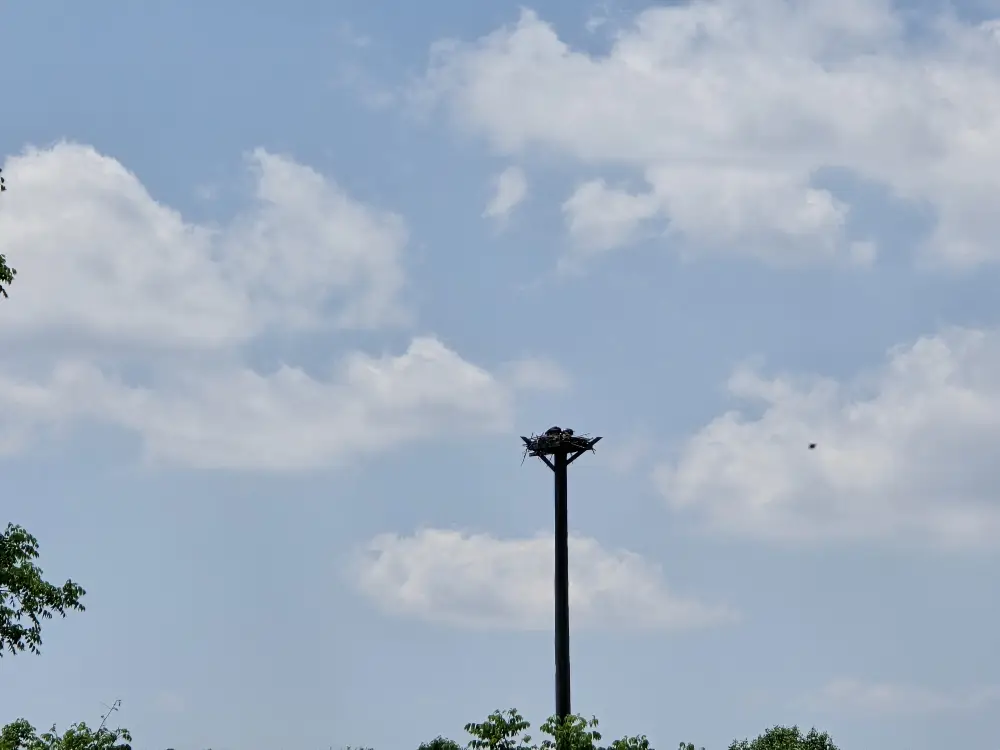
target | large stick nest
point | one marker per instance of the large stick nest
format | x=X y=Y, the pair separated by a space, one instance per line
x=557 y=440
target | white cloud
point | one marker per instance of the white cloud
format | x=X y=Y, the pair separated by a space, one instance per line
x=112 y=283
x=727 y=109
x=606 y=16
x=859 y=697
x=510 y=188
x=538 y=374
x=601 y=218
x=289 y=420
x=233 y=417
x=478 y=581
x=907 y=451
x=100 y=259
x=307 y=241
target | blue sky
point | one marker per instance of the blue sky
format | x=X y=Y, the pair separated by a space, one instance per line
x=294 y=278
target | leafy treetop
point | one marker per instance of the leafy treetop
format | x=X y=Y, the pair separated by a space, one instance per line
x=20 y=735
x=787 y=738
x=7 y=273
x=25 y=597
x=507 y=730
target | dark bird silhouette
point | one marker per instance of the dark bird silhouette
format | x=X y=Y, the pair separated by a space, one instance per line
x=812 y=446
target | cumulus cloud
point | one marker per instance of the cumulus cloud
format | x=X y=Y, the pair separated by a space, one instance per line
x=234 y=417
x=510 y=188
x=906 y=451
x=601 y=218
x=479 y=581
x=113 y=283
x=728 y=109
x=101 y=259
x=872 y=698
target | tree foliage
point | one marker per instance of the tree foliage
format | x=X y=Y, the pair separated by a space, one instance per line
x=25 y=597
x=7 y=273
x=440 y=743
x=507 y=730
x=787 y=738
x=502 y=730
x=20 y=735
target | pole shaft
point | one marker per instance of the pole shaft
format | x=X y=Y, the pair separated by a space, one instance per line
x=562 y=587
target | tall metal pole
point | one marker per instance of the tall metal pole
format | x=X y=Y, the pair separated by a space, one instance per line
x=562 y=585
x=558 y=448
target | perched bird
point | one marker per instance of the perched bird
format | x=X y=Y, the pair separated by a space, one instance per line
x=812 y=446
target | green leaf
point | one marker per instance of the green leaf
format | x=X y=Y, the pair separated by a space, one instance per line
x=7 y=273
x=20 y=735
x=25 y=597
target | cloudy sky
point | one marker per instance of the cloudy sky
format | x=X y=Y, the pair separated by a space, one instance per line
x=294 y=277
